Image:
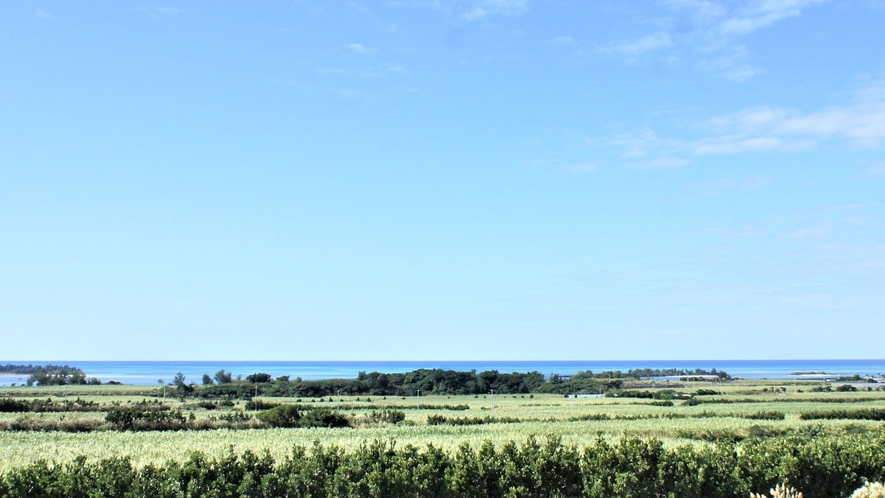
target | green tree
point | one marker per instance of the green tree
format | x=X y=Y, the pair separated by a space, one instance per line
x=223 y=377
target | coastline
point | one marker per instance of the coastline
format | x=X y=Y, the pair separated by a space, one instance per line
x=151 y=372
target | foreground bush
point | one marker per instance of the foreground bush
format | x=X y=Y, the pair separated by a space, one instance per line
x=821 y=468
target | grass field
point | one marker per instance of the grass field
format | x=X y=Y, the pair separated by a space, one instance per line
x=578 y=421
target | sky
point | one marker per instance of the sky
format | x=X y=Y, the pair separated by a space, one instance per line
x=442 y=180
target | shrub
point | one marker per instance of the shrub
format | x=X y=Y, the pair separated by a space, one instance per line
x=281 y=416
x=259 y=378
x=257 y=404
x=387 y=416
x=323 y=417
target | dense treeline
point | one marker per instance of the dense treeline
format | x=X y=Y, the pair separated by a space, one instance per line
x=29 y=369
x=427 y=381
x=819 y=467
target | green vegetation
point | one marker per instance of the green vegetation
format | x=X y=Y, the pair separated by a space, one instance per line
x=50 y=375
x=630 y=467
x=708 y=437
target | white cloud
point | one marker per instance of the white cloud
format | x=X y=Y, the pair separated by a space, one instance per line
x=733 y=65
x=582 y=168
x=485 y=8
x=42 y=14
x=737 y=144
x=708 y=32
x=763 y=13
x=562 y=41
x=719 y=186
x=661 y=163
x=861 y=123
x=649 y=43
x=360 y=49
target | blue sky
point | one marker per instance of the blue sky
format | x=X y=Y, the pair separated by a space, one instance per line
x=423 y=180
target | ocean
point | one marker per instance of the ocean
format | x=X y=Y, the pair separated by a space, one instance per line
x=152 y=372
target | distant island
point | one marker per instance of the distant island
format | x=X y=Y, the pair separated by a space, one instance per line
x=49 y=375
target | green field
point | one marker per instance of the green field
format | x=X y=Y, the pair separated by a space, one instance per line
x=578 y=421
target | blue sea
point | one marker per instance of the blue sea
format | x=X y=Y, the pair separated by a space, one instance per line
x=151 y=372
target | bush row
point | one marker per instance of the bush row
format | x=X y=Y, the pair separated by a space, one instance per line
x=864 y=414
x=443 y=420
x=630 y=468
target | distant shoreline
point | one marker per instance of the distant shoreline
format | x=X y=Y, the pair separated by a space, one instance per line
x=148 y=373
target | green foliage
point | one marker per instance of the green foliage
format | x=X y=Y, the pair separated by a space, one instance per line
x=324 y=417
x=770 y=415
x=281 y=416
x=133 y=419
x=861 y=414
x=54 y=375
x=443 y=420
x=631 y=467
x=292 y=416
x=10 y=405
x=257 y=404
x=387 y=416
x=259 y=378
x=223 y=377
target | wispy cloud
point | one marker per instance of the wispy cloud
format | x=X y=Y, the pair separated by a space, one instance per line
x=708 y=32
x=633 y=48
x=562 y=41
x=484 y=8
x=861 y=123
x=763 y=13
x=582 y=168
x=42 y=14
x=733 y=65
x=720 y=186
x=660 y=163
x=360 y=49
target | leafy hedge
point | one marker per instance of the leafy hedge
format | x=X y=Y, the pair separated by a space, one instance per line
x=820 y=467
x=865 y=414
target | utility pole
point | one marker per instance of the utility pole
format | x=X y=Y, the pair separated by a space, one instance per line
x=418 y=399
x=492 y=393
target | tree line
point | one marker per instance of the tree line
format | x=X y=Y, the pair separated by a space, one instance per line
x=50 y=375
x=416 y=382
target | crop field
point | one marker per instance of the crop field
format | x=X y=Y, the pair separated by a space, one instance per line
x=743 y=410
